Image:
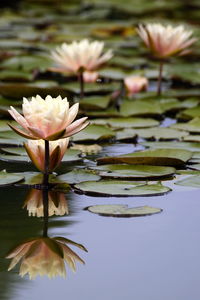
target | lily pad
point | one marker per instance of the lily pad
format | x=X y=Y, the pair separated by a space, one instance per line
x=94 y=102
x=42 y=88
x=140 y=108
x=191 y=126
x=173 y=145
x=193 y=181
x=135 y=171
x=79 y=175
x=160 y=157
x=15 y=150
x=160 y=133
x=190 y=113
x=9 y=178
x=122 y=211
x=127 y=122
x=120 y=188
x=94 y=133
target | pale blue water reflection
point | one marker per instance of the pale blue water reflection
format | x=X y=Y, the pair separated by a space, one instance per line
x=146 y=258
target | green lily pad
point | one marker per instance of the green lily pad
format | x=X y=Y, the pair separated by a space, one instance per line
x=94 y=133
x=161 y=133
x=193 y=181
x=91 y=87
x=111 y=112
x=122 y=211
x=191 y=126
x=4 y=125
x=79 y=175
x=120 y=188
x=173 y=145
x=15 y=75
x=42 y=88
x=15 y=150
x=94 y=102
x=9 y=178
x=160 y=157
x=28 y=63
x=192 y=138
x=134 y=171
x=190 y=113
x=126 y=122
x=140 y=108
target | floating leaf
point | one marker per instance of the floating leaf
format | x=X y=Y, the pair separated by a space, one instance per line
x=94 y=133
x=173 y=145
x=79 y=175
x=126 y=122
x=94 y=102
x=134 y=171
x=9 y=178
x=160 y=133
x=122 y=211
x=120 y=188
x=140 y=108
x=191 y=126
x=43 y=88
x=193 y=181
x=160 y=157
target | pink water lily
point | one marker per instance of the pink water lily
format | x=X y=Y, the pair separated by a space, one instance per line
x=36 y=152
x=135 y=84
x=90 y=76
x=165 y=41
x=45 y=256
x=80 y=55
x=48 y=119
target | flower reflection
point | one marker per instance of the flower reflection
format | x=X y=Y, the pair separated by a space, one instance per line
x=45 y=256
x=57 y=203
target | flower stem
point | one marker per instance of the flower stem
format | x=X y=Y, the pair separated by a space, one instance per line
x=46 y=165
x=81 y=81
x=45 y=211
x=159 y=89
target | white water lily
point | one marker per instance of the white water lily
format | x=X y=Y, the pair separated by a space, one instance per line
x=165 y=41
x=47 y=119
x=83 y=55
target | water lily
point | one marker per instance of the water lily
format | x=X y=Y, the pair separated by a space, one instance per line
x=45 y=256
x=135 y=84
x=165 y=41
x=78 y=57
x=57 y=203
x=36 y=152
x=48 y=119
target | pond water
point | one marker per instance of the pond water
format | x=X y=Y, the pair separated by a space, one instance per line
x=153 y=257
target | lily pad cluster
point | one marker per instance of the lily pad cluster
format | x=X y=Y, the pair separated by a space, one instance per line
x=163 y=132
